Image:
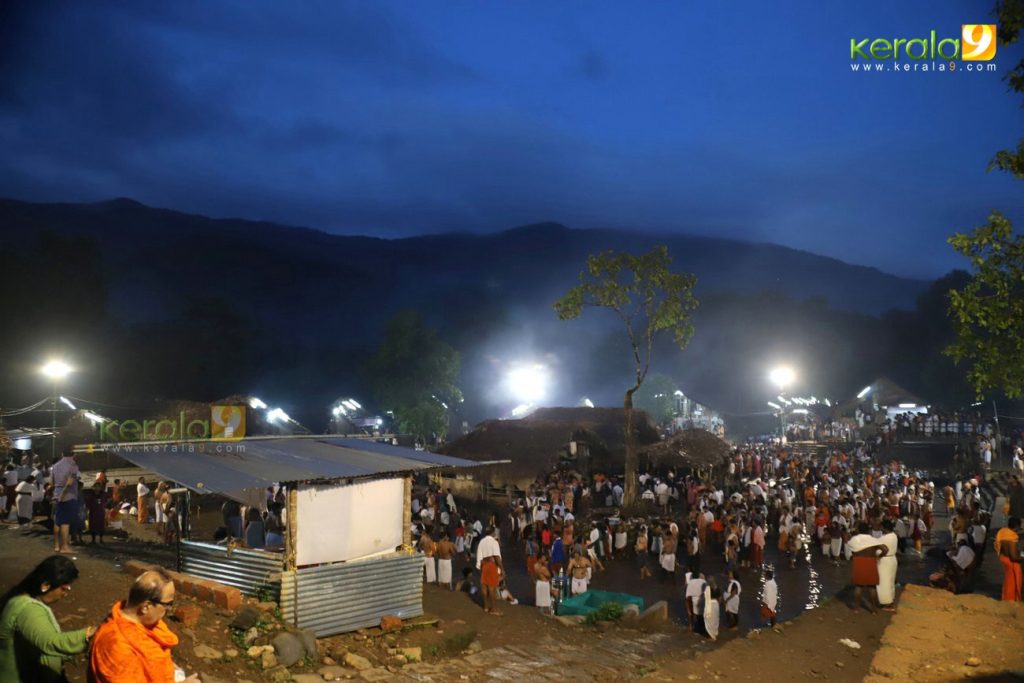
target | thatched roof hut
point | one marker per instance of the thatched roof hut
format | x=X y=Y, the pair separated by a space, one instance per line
x=536 y=444
x=697 y=448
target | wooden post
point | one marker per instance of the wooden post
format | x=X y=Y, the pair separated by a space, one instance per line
x=407 y=512
x=292 y=530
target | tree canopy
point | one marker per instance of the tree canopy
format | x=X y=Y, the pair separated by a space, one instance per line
x=650 y=300
x=414 y=375
x=988 y=312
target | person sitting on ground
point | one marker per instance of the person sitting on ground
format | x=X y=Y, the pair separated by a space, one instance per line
x=134 y=644
x=32 y=646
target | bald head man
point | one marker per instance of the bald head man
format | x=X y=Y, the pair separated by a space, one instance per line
x=134 y=643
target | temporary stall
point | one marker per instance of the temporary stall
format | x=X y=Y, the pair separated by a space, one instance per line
x=347 y=559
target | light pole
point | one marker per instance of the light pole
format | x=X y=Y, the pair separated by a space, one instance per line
x=56 y=370
x=782 y=377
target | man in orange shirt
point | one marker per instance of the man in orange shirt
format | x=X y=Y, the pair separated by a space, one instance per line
x=134 y=644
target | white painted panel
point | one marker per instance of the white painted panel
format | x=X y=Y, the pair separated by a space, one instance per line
x=349 y=522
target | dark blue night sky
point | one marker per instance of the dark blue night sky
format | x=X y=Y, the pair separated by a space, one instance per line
x=732 y=119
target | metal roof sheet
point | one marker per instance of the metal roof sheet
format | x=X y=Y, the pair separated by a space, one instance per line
x=230 y=466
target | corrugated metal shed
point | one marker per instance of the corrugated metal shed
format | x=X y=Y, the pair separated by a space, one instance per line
x=231 y=466
x=337 y=598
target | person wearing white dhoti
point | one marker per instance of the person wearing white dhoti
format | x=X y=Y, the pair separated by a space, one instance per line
x=428 y=548
x=579 y=569
x=542 y=586
x=887 y=565
x=712 y=612
x=444 y=551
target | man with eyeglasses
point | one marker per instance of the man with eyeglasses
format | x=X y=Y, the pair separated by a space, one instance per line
x=134 y=644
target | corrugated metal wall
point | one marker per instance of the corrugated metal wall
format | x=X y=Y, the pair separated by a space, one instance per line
x=253 y=572
x=343 y=597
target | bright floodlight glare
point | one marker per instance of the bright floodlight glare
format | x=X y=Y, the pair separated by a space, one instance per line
x=774 y=405
x=908 y=405
x=56 y=369
x=782 y=376
x=528 y=384
x=256 y=404
x=277 y=414
x=93 y=417
x=68 y=403
x=864 y=391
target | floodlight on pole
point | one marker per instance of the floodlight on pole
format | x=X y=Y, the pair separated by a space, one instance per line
x=56 y=370
x=528 y=383
x=782 y=376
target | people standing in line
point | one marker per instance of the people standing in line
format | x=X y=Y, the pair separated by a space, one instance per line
x=32 y=646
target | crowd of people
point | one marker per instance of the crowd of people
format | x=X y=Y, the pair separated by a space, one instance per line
x=843 y=508
x=55 y=495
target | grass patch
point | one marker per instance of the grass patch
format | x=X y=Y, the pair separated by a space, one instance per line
x=451 y=646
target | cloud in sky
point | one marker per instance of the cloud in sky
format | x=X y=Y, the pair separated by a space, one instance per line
x=402 y=118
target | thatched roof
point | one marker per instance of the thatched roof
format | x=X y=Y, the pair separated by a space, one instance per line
x=690 y=447
x=535 y=444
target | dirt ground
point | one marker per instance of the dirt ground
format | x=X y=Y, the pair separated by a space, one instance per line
x=935 y=634
x=931 y=636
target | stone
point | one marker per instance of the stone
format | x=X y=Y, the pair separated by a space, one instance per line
x=188 y=615
x=413 y=654
x=973 y=661
x=338 y=653
x=231 y=653
x=631 y=609
x=390 y=639
x=390 y=622
x=266 y=606
x=257 y=650
x=206 y=652
x=210 y=678
x=268 y=660
x=308 y=639
x=357 y=662
x=570 y=620
x=474 y=647
x=328 y=661
x=246 y=618
x=289 y=648
x=378 y=674
x=656 y=613
x=251 y=635
x=332 y=673
x=307 y=678
x=279 y=674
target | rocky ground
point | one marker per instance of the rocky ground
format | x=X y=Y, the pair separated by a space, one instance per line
x=933 y=636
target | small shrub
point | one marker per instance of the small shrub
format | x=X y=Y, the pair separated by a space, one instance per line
x=609 y=611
